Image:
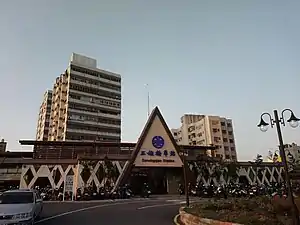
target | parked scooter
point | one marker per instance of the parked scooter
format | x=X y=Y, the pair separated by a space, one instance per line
x=181 y=189
x=146 y=191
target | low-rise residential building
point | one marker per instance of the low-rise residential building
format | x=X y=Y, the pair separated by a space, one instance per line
x=207 y=130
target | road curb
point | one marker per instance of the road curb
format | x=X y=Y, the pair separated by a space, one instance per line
x=189 y=219
x=175 y=220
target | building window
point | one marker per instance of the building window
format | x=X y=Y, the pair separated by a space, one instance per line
x=217 y=139
x=231 y=141
x=214 y=122
x=200 y=134
x=192 y=128
x=225 y=140
x=223 y=124
x=201 y=142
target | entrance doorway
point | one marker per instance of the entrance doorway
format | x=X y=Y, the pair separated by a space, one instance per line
x=156 y=178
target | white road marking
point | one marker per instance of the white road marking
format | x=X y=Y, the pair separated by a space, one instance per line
x=183 y=202
x=85 y=209
x=91 y=201
x=173 y=200
x=162 y=205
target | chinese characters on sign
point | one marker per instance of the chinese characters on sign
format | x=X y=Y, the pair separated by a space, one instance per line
x=159 y=156
x=165 y=153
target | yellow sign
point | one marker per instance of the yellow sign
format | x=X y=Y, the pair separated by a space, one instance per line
x=156 y=146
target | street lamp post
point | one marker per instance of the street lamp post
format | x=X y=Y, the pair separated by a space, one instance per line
x=278 y=121
x=187 y=197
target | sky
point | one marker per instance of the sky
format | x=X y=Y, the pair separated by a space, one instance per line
x=230 y=58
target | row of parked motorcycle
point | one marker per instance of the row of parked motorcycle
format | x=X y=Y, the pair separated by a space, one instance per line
x=198 y=190
x=237 y=190
x=92 y=193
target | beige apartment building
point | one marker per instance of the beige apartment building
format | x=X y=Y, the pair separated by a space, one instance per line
x=207 y=130
x=293 y=150
x=44 y=117
x=86 y=103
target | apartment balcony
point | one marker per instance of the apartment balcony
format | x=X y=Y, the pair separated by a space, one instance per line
x=72 y=91
x=72 y=100
x=93 y=123
x=94 y=86
x=117 y=117
x=95 y=78
x=80 y=131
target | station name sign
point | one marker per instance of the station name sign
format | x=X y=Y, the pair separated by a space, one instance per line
x=158 y=156
x=160 y=153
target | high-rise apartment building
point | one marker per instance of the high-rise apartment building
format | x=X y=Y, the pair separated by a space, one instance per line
x=44 y=117
x=2 y=145
x=207 y=130
x=86 y=103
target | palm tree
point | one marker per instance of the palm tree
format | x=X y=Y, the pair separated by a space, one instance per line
x=111 y=171
x=257 y=162
x=218 y=169
x=227 y=170
x=86 y=171
x=232 y=171
x=292 y=162
x=203 y=162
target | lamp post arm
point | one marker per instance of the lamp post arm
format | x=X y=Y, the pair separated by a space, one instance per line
x=282 y=121
x=270 y=118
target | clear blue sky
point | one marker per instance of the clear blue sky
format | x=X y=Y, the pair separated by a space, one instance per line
x=230 y=58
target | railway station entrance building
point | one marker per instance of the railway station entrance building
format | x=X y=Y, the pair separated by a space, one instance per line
x=155 y=159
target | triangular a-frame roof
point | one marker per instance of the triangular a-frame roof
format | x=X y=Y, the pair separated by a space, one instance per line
x=156 y=137
x=156 y=146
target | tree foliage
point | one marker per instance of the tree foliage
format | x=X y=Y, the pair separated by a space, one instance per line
x=218 y=168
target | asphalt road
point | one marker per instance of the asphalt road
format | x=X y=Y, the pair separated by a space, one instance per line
x=120 y=212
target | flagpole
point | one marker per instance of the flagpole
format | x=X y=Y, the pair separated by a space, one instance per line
x=148 y=99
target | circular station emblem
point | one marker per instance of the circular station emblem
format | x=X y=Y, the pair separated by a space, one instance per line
x=158 y=142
